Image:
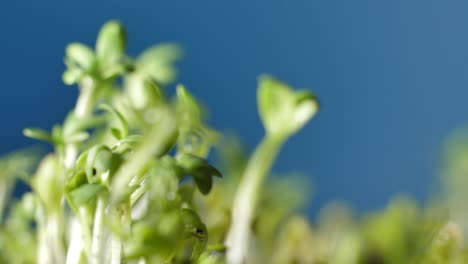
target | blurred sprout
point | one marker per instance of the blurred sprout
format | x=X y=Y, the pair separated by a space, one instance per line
x=194 y=136
x=158 y=61
x=455 y=178
x=283 y=113
x=14 y=165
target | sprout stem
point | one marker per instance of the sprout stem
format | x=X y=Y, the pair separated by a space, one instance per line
x=246 y=199
x=99 y=234
x=83 y=109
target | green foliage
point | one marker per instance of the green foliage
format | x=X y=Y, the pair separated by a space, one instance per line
x=130 y=181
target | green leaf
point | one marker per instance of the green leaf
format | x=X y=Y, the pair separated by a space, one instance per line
x=73 y=75
x=81 y=55
x=282 y=110
x=37 y=133
x=203 y=181
x=111 y=43
x=77 y=180
x=201 y=171
x=86 y=193
x=188 y=105
x=77 y=137
x=158 y=62
x=193 y=163
x=116 y=133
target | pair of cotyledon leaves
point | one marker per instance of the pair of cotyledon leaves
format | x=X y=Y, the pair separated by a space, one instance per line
x=109 y=60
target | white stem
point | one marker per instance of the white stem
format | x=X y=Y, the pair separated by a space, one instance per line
x=116 y=250
x=71 y=152
x=43 y=249
x=84 y=104
x=50 y=248
x=76 y=247
x=55 y=228
x=83 y=108
x=99 y=234
x=245 y=201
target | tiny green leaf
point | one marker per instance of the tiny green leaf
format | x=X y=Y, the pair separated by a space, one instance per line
x=73 y=75
x=37 y=133
x=201 y=171
x=111 y=43
x=86 y=193
x=77 y=137
x=158 y=62
x=81 y=55
x=77 y=180
x=282 y=110
x=187 y=104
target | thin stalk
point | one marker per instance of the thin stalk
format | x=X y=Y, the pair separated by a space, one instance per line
x=55 y=232
x=77 y=244
x=50 y=248
x=116 y=250
x=85 y=101
x=99 y=233
x=83 y=108
x=247 y=195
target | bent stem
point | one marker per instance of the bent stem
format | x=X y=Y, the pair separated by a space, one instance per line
x=247 y=196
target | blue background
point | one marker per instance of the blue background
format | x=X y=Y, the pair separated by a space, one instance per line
x=391 y=77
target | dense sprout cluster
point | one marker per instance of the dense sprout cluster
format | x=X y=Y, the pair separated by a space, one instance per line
x=129 y=181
